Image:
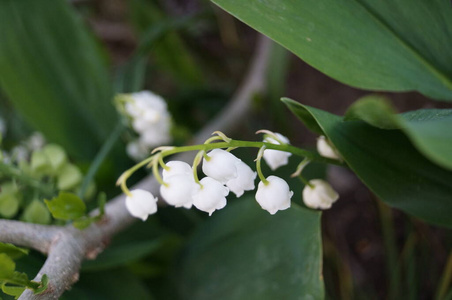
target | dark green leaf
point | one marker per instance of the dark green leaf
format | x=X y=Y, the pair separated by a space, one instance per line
x=243 y=252
x=387 y=162
x=117 y=284
x=66 y=206
x=428 y=129
x=377 y=45
x=52 y=71
x=12 y=251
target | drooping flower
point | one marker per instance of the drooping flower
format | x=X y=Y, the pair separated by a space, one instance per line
x=276 y=158
x=211 y=196
x=275 y=195
x=320 y=195
x=141 y=204
x=244 y=180
x=326 y=149
x=220 y=166
x=137 y=150
x=178 y=190
x=176 y=167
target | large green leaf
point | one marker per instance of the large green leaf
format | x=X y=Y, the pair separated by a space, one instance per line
x=395 y=45
x=243 y=252
x=52 y=71
x=428 y=129
x=388 y=164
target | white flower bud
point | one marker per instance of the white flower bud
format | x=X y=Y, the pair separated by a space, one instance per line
x=211 y=196
x=321 y=195
x=276 y=158
x=221 y=166
x=141 y=204
x=175 y=168
x=137 y=150
x=244 y=181
x=275 y=195
x=325 y=149
x=179 y=189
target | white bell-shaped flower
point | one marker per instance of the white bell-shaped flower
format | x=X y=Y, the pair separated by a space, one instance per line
x=176 y=167
x=141 y=204
x=179 y=189
x=244 y=180
x=276 y=158
x=221 y=166
x=211 y=196
x=320 y=195
x=325 y=149
x=275 y=195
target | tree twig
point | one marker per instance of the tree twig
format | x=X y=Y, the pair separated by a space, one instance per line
x=67 y=246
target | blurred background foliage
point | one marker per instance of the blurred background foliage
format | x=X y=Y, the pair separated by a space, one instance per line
x=60 y=66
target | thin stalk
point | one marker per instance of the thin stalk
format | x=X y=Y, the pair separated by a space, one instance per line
x=446 y=279
x=100 y=157
x=387 y=227
x=258 y=166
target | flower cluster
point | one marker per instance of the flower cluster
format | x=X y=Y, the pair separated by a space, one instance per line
x=149 y=117
x=180 y=186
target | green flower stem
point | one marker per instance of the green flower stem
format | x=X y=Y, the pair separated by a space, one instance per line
x=258 y=166
x=100 y=157
x=313 y=156
x=196 y=163
x=155 y=169
x=15 y=173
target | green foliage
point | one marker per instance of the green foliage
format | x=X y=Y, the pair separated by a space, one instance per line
x=68 y=92
x=9 y=199
x=245 y=253
x=428 y=129
x=66 y=206
x=12 y=251
x=388 y=164
x=377 y=45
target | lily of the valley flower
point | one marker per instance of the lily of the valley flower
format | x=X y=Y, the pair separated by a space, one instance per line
x=320 y=195
x=141 y=204
x=244 y=180
x=275 y=195
x=325 y=149
x=220 y=165
x=176 y=167
x=211 y=196
x=276 y=158
x=178 y=190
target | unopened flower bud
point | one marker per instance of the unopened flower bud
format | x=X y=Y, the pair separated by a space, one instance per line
x=320 y=195
x=244 y=181
x=211 y=196
x=326 y=149
x=275 y=195
x=141 y=204
x=221 y=165
x=276 y=158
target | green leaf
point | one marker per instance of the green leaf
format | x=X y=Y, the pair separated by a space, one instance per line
x=36 y=212
x=12 y=251
x=121 y=255
x=243 y=252
x=387 y=162
x=428 y=129
x=69 y=177
x=66 y=206
x=117 y=284
x=51 y=69
x=14 y=291
x=7 y=267
x=377 y=45
x=43 y=285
